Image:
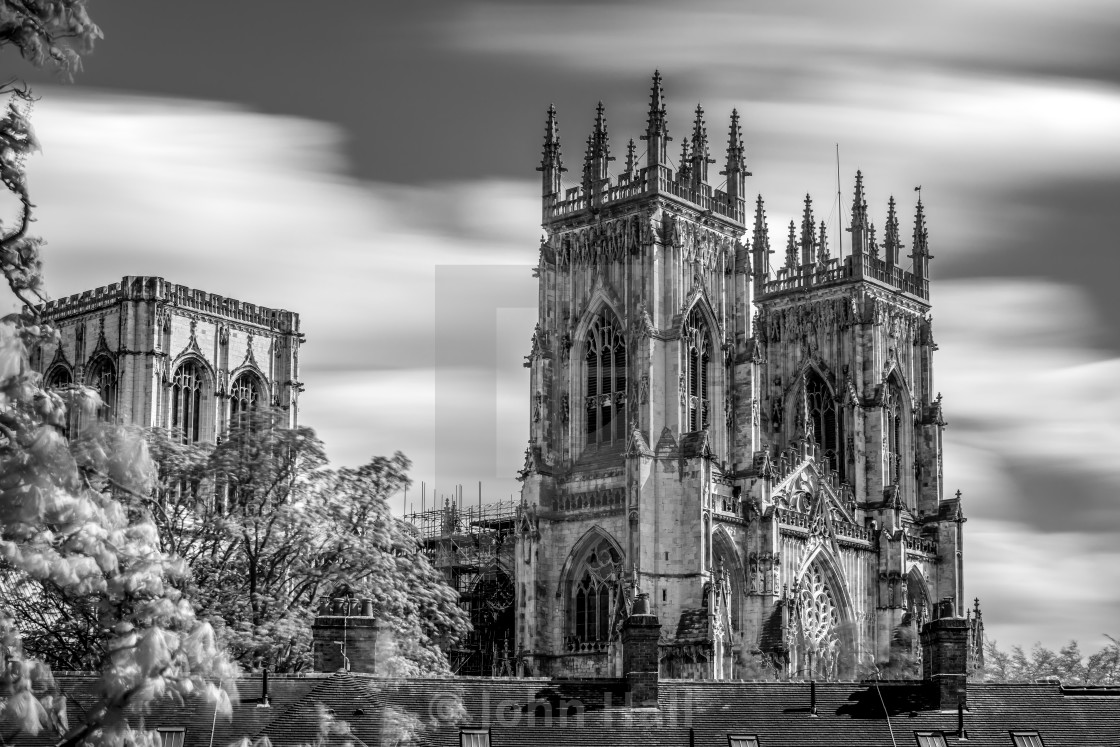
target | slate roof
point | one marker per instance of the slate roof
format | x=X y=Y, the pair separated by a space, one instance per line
x=542 y=712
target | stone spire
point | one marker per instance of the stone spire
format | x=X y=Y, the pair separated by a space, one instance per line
x=736 y=168
x=859 y=225
x=823 y=256
x=921 y=255
x=684 y=174
x=700 y=155
x=872 y=247
x=892 y=246
x=791 y=248
x=600 y=145
x=597 y=158
x=657 y=128
x=551 y=166
x=631 y=157
x=760 y=248
x=808 y=235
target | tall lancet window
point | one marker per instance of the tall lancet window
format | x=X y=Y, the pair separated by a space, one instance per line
x=102 y=377
x=186 y=401
x=605 y=400
x=244 y=395
x=892 y=435
x=823 y=416
x=698 y=364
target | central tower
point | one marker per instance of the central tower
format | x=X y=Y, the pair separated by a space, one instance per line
x=767 y=473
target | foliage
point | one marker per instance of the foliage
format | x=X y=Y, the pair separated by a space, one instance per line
x=269 y=532
x=61 y=527
x=1068 y=664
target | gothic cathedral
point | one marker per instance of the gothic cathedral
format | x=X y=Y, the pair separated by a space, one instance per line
x=755 y=452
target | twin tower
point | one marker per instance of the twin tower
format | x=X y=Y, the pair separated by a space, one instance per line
x=756 y=452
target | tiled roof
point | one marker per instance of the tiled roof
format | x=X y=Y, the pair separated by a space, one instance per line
x=541 y=712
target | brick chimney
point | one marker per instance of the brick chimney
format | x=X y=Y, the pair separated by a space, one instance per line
x=344 y=636
x=945 y=655
x=640 y=633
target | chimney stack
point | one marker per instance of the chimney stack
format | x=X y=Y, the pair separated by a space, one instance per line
x=945 y=655
x=640 y=634
x=344 y=636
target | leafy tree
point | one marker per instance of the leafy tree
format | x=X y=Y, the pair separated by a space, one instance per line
x=60 y=525
x=268 y=532
x=1067 y=664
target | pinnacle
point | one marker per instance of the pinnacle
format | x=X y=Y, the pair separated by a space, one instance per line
x=657 y=105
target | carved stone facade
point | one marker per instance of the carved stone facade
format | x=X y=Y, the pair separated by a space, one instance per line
x=759 y=453
x=167 y=355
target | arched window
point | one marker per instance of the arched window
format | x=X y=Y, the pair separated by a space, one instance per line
x=102 y=377
x=827 y=428
x=605 y=394
x=592 y=601
x=60 y=377
x=244 y=395
x=892 y=435
x=698 y=358
x=186 y=400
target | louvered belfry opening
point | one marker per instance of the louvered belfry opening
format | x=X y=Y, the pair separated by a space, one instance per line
x=826 y=420
x=698 y=373
x=605 y=396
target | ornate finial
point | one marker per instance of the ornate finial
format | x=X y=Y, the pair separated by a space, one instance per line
x=684 y=174
x=736 y=152
x=791 y=247
x=921 y=235
x=600 y=143
x=761 y=247
x=551 y=165
x=551 y=137
x=808 y=234
x=958 y=495
x=872 y=247
x=700 y=155
x=858 y=227
x=822 y=255
x=699 y=133
x=631 y=156
x=657 y=104
x=859 y=204
x=891 y=243
x=657 y=126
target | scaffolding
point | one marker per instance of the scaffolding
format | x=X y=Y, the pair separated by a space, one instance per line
x=473 y=547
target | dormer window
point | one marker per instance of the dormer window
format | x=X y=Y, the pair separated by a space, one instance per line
x=474 y=738
x=930 y=739
x=172 y=736
x=1026 y=739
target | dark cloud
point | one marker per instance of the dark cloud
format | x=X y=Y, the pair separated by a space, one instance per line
x=1064 y=230
x=1054 y=497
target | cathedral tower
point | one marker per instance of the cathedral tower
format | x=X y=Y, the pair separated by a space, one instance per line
x=758 y=454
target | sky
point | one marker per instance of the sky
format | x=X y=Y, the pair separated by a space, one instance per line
x=371 y=166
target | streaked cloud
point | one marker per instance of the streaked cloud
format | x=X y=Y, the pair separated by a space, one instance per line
x=1007 y=120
